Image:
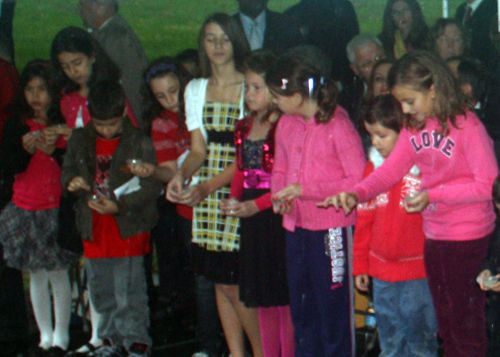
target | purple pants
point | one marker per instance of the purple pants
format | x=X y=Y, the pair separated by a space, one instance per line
x=452 y=268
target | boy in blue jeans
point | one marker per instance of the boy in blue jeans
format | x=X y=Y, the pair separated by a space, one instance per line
x=114 y=211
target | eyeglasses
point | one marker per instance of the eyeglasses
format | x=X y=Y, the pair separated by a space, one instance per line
x=369 y=64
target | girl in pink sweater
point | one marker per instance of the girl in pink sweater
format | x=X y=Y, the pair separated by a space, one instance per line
x=451 y=148
x=317 y=150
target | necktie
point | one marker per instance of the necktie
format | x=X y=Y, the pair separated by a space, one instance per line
x=254 y=37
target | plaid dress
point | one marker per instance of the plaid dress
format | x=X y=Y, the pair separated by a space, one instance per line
x=212 y=230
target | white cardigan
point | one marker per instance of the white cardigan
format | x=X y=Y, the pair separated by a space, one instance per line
x=194 y=97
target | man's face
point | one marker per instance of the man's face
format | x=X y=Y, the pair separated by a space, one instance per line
x=87 y=11
x=252 y=8
x=365 y=58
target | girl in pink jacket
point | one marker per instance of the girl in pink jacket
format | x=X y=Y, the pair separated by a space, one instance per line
x=318 y=150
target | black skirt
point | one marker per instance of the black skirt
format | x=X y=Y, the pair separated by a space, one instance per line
x=263 y=279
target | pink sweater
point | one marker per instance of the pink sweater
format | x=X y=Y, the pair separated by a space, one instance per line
x=325 y=159
x=457 y=171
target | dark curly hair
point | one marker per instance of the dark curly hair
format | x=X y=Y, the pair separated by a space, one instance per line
x=76 y=40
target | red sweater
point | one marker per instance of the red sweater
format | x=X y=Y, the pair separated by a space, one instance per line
x=388 y=242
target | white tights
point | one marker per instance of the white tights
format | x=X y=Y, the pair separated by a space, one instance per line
x=42 y=307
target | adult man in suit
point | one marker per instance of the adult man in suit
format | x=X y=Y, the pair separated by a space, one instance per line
x=479 y=18
x=329 y=25
x=120 y=43
x=266 y=29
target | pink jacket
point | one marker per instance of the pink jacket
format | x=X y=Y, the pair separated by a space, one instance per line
x=457 y=171
x=325 y=159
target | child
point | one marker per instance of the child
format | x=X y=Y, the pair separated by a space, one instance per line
x=455 y=155
x=389 y=247
x=317 y=150
x=213 y=105
x=114 y=225
x=80 y=61
x=28 y=224
x=489 y=268
x=166 y=123
x=262 y=253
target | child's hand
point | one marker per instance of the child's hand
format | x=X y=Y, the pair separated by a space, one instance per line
x=485 y=274
x=362 y=282
x=142 y=170
x=174 y=188
x=289 y=193
x=281 y=206
x=416 y=203
x=29 y=141
x=345 y=200
x=192 y=195
x=78 y=183
x=50 y=135
x=43 y=145
x=242 y=209
x=104 y=206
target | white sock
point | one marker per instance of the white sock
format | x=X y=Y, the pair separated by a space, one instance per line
x=40 y=300
x=94 y=317
x=61 y=289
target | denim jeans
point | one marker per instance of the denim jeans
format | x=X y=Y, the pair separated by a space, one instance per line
x=405 y=318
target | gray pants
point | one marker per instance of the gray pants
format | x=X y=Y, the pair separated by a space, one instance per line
x=118 y=287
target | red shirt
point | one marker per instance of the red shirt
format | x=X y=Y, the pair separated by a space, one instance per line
x=73 y=103
x=38 y=187
x=106 y=238
x=170 y=142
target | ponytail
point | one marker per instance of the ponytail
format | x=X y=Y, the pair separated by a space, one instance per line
x=290 y=76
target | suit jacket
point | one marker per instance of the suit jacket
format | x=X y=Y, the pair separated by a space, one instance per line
x=478 y=27
x=280 y=34
x=329 y=25
x=122 y=45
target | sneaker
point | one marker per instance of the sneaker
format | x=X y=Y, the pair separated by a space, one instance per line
x=139 y=350
x=108 y=350
x=200 y=354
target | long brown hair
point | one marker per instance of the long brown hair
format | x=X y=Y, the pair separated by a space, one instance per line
x=290 y=76
x=418 y=32
x=235 y=34
x=421 y=70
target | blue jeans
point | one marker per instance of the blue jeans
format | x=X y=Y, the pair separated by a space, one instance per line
x=405 y=317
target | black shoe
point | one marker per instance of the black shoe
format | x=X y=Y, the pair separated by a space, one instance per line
x=90 y=350
x=37 y=351
x=56 y=351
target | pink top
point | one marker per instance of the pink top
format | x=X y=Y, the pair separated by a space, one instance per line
x=74 y=105
x=325 y=159
x=457 y=171
x=39 y=188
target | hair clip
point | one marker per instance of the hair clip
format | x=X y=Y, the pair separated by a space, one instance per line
x=310 y=86
x=284 y=82
x=162 y=67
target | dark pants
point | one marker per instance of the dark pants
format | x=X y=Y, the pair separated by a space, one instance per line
x=13 y=317
x=321 y=292
x=452 y=268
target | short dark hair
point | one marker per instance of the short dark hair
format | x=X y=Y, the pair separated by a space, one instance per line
x=471 y=71
x=106 y=100
x=386 y=111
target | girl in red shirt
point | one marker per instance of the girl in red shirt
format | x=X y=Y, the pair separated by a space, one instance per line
x=29 y=223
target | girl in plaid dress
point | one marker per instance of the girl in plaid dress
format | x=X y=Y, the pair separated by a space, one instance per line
x=213 y=105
